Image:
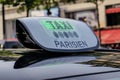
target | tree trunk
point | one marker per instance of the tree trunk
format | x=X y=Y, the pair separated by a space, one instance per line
x=3 y=19
x=27 y=14
x=48 y=8
x=99 y=32
x=59 y=11
x=48 y=12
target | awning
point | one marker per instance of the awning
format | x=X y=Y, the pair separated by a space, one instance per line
x=112 y=10
x=110 y=36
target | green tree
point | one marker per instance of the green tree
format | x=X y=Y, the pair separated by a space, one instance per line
x=26 y=5
x=6 y=2
x=48 y=4
x=96 y=2
x=31 y=4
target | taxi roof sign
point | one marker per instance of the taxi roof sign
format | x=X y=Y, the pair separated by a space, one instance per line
x=55 y=34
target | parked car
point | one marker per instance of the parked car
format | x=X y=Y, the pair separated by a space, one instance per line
x=12 y=43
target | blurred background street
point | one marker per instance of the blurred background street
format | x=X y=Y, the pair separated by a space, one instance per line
x=103 y=16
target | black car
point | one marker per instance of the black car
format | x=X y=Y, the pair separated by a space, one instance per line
x=56 y=67
x=65 y=51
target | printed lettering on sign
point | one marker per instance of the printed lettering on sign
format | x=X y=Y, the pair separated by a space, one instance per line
x=71 y=44
x=56 y=25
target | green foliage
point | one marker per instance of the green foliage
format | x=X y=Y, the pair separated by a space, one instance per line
x=8 y=56
x=7 y=53
x=94 y=1
x=26 y=4
x=53 y=3
x=31 y=4
x=8 y=2
x=67 y=1
x=47 y=4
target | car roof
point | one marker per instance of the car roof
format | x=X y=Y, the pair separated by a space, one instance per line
x=52 y=69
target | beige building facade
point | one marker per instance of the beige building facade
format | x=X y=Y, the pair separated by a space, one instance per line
x=88 y=9
x=10 y=16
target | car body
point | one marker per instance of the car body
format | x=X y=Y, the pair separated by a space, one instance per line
x=56 y=67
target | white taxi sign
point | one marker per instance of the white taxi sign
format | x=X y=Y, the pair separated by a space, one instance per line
x=56 y=34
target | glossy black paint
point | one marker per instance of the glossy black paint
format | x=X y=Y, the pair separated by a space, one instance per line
x=41 y=67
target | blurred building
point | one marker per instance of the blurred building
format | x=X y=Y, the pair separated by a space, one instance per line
x=10 y=17
x=109 y=12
